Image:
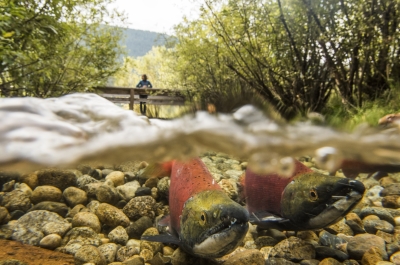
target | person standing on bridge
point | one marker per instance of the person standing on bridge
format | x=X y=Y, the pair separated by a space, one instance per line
x=144 y=83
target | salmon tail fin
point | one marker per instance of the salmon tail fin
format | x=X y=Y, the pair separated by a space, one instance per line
x=157 y=170
x=163 y=238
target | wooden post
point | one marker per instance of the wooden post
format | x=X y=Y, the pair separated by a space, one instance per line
x=131 y=99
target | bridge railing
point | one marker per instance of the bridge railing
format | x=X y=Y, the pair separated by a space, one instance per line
x=155 y=96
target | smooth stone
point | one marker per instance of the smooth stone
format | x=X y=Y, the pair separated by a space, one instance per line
x=77 y=209
x=125 y=253
x=83 y=181
x=309 y=262
x=16 y=200
x=111 y=215
x=329 y=240
x=96 y=173
x=395 y=258
x=56 y=207
x=92 y=206
x=391 y=189
x=140 y=206
x=143 y=191
x=30 y=179
x=7 y=187
x=7 y=176
x=87 y=254
x=355 y=223
x=51 y=241
x=278 y=261
x=81 y=236
x=372 y=256
x=117 y=177
x=359 y=244
x=146 y=254
x=109 y=251
x=372 y=226
x=391 y=201
x=118 y=235
x=107 y=194
x=249 y=256
x=91 y=189
x=154 y=247
x=265 y=241
x=87 y=219
x=61 y=179
x=46 y=193
x=135 y=260
x=327 y=252
x=392 y=248
x=128 y=190
x=4 y=215
x=382 y=213
x=340 y=227
x=74 y=196
x=31 y=227
x=136 y=229
x=163 y=186
x=329 y=261
x=293 y=249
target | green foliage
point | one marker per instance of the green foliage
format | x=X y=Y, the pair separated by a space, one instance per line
x=370 y=113
x=293 y=54
x=51 y=48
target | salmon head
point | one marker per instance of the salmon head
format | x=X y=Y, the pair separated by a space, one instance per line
x=203 y=220
x=305 y=201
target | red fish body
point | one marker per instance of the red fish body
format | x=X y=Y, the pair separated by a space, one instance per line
x=305 y=200
x=352 y=168
x=189 y=178
x=204 y=221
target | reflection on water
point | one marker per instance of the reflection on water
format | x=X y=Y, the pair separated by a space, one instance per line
x=85 y=127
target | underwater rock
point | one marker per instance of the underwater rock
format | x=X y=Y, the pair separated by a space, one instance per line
x=88 y=254
x=111 y=215
x=293 y=249
x=61 y=179
x=128 y=190
x=15 y=200
x=117 y=177
x=56 y=207
x=87 y=219
x=140 y=206
x=74 y=196
x=118 y=235
x=109 y=251
x=107 y=194
x=29 y=229
x=359 y=244
x=46 y=193
x=51 y=241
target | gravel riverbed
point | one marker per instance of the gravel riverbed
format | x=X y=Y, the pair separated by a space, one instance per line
x=98 y=213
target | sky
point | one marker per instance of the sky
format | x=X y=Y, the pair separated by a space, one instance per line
x=157 y=15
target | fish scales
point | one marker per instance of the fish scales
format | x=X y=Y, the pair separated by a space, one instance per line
x=267 y=190
x=189 y=178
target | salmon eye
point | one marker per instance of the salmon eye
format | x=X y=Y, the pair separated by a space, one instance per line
x=203 y=217
x=313 y=195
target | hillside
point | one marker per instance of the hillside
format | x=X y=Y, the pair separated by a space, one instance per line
x=139 y=42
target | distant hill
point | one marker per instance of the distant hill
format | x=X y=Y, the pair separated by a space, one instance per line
x=139 y=42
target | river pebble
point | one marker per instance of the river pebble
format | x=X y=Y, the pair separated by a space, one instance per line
x=98 y=213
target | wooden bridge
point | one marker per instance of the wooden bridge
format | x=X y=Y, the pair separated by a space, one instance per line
x=155 y=96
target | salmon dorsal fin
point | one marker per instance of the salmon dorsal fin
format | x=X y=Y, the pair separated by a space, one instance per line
x=157 y=170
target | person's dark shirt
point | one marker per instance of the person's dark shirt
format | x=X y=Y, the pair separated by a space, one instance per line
x=143 y=83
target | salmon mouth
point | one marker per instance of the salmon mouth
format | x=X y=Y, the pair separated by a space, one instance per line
x=223 y=237
x=351 y=192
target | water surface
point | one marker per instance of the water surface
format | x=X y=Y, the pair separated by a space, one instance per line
x=86 y=127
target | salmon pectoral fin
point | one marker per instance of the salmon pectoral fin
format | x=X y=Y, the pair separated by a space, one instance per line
x=165 y=221
x=163 y=238
x=265 y=218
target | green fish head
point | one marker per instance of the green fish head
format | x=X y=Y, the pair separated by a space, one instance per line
x=313 y=200
x=212 y=225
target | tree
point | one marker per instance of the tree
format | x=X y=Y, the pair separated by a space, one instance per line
x=51 y=48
